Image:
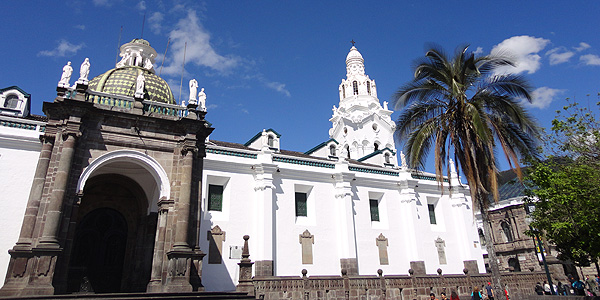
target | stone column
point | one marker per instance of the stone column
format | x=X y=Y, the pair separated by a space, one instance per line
x=156 y=276
x=35 y=195
x=345 y=219
x=49 y=237
x=265 y=217
x=180 y=257
x=183 y=203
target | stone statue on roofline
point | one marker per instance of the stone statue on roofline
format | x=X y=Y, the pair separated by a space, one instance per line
x=404 y=165
x=202 y=100
x=66 y=75
x=125 y=59
x=84 y=71
x=193 y=91
x=139 y=86
x=148 y=63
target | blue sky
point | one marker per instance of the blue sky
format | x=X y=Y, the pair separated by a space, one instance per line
x=278 y=64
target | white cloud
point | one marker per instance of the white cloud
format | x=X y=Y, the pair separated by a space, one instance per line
x=478 y=51
x=64 y=48
x=278 y=86
x=524 y=50
x=543 y=96
x=590 y=59
x=582 y=46
x=155 y=22
x=559 y=55
x=80 y=27
x=141 y=5
x=199 y=50
x=106 y=3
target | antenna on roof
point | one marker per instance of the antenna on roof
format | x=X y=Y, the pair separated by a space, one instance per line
x=182 y=71
x=163 y=62
x=143 y=23
x=118 y=44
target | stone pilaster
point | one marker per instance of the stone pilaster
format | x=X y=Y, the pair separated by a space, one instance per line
x=408 y=213
x=345 y=218
x=49 y=237
x=35 y=195
x=265 y=218
x=156 y=276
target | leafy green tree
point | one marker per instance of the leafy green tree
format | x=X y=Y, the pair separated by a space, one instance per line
x=565 y=187
x=576 y=133
x=462 y=109
x=567 y=208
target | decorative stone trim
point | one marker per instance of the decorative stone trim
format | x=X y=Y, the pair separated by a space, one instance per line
x=425 y=177
x=303 y=162
x=231 y=153
x=18 y=125
x=372 y=171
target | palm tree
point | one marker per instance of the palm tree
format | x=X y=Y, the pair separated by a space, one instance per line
x=461 y=108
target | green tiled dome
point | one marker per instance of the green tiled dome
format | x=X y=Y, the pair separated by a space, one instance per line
x=122 y=82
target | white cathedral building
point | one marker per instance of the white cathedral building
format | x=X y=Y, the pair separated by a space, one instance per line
x=346 y=204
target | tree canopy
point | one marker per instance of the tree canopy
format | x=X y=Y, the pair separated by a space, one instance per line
x=565 y=187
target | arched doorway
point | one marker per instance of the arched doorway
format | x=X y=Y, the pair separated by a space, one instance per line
x=99 y=251
x=113 y=239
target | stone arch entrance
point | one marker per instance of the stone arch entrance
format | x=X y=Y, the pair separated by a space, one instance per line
x=113 y=239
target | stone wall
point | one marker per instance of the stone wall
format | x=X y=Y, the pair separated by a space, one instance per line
x=389 y=287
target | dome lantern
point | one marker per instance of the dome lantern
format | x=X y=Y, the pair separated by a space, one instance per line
x=137 y=53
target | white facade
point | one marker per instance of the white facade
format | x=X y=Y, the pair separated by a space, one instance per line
x=19 y=151
x=260 y=183
x=362 y=209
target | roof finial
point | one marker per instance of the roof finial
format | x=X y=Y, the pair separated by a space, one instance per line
x=353 y=42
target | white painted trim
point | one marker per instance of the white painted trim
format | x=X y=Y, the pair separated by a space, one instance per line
x=139 y=158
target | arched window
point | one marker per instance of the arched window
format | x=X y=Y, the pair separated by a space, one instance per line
x=355 y=87
x=369 y=87
x=270 y=141
x=514 y=265
x=332 y=150
x=12 y=101
x=387 y=157
x=348 y=150
x=508 y=236
x=343 y=91
x=375 y=147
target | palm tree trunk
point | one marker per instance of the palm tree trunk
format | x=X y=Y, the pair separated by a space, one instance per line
x=489 y=245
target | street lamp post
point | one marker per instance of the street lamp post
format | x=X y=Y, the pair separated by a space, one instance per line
x=529 y=208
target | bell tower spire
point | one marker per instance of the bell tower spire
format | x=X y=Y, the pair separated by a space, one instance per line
x=360 y=124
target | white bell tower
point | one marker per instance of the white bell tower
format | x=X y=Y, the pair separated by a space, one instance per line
x=362 y=127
